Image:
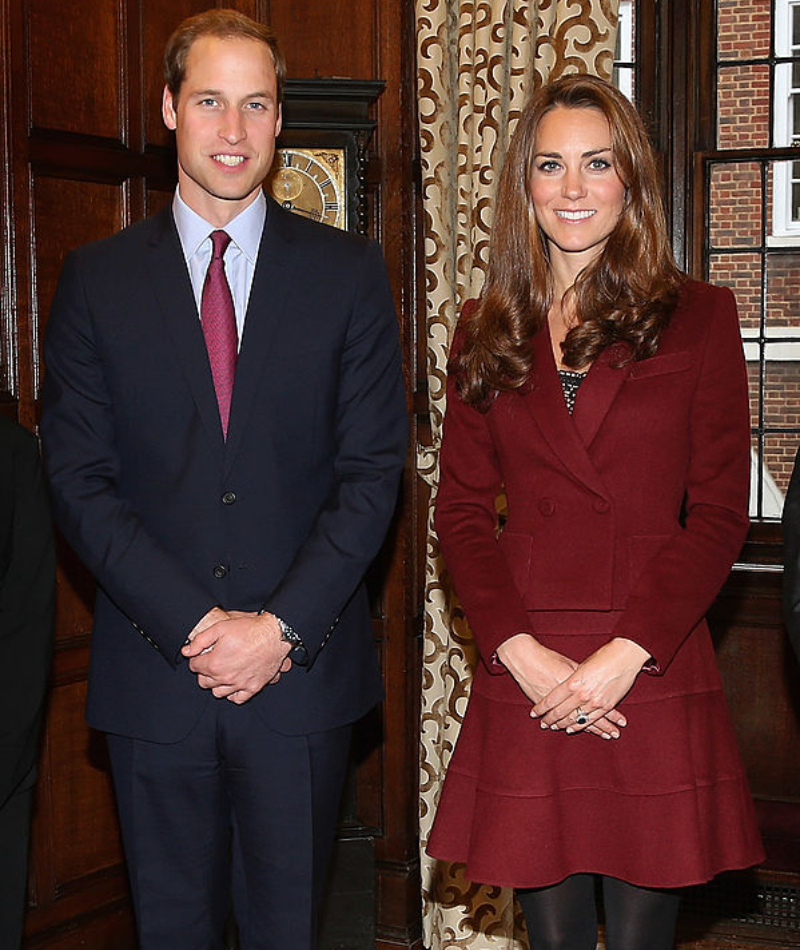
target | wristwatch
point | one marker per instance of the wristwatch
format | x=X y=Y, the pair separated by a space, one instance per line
x=289 y=634
x=298 y=653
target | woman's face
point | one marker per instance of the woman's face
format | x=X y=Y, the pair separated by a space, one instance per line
x=576 y=192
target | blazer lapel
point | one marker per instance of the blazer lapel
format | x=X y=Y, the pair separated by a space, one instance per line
x=599 y=390
x=545 y=400
x=271 y=283
x=169 y=278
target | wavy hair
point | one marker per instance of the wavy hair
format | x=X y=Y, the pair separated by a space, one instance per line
x=626 y=294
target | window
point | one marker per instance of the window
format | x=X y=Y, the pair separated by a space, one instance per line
x=624 y=65
x=751 y=214
x=786 y=121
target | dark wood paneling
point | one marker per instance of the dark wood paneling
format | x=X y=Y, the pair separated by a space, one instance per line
x=762 y=685
x=82 y=817
x=337 y=38
x=66 y=214
x=74 y=598
x=396 y=222
x=157 y=199
x=76 y=66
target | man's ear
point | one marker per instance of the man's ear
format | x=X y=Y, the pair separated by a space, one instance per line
x=279 y=123
x=168 y=107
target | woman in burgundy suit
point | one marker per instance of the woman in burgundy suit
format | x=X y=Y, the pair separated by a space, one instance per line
x=605 y=393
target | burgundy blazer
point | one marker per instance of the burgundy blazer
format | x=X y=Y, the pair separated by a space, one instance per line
x=636 y=503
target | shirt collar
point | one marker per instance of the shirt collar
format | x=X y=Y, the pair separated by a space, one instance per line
x=245 y=229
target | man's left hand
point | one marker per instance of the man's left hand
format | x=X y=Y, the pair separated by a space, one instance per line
x=237 y=658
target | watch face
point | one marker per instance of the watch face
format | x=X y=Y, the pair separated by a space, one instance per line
x=310 y=181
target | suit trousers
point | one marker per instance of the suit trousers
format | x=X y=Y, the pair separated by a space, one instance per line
x=234 y=809
x=14 y=830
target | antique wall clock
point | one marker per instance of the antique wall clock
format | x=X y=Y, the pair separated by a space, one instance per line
x=311 y=181
x=321 y=159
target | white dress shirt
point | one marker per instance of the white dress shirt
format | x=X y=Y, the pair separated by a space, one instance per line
x=240 y=257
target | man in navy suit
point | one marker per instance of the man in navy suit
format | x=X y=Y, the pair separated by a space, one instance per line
x=224 y=429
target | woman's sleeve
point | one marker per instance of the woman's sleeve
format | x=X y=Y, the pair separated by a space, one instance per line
x=467 y=525
x=678 y=586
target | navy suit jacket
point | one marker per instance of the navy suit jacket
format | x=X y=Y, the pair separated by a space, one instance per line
x=27 y=589
x=172 y=519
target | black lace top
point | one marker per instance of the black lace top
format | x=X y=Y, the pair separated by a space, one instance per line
x=570 y=382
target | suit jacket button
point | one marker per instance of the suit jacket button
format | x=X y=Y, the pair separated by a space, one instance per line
x=601 y=506
x=547 y=506
x=220 y=571
x=228 y=498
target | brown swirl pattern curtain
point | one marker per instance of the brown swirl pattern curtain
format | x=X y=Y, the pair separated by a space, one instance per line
x=477 y=60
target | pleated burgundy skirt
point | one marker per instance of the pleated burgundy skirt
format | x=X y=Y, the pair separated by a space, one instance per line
x=666 y=805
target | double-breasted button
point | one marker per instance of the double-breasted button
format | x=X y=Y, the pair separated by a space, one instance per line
x=229 y=498
x=547 y=506
x=220 y=571
x=601 y=506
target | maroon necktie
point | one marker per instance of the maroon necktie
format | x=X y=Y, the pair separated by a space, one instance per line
x=219 y=326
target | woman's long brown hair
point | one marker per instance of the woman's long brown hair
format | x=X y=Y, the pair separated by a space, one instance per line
x=626 y=294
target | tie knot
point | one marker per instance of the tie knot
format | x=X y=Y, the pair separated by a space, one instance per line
x=219 y=242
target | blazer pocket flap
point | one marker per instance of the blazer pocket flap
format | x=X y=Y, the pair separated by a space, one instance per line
x=660 y=365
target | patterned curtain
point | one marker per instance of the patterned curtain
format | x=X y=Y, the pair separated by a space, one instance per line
x=477 y=61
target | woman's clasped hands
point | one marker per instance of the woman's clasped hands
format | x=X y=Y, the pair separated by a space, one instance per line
x=575 y=696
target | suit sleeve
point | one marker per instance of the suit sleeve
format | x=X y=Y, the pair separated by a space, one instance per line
x=466 y=522
x=371 y=440
x=160 y=598
x=791 y=558
x=27 y=594
x=678 y=586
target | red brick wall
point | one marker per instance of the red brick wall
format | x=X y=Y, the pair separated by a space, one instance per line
x=742 y=29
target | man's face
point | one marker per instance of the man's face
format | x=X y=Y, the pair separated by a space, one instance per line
x=226 y=120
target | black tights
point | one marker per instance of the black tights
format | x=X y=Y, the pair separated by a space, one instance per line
x=564 y=916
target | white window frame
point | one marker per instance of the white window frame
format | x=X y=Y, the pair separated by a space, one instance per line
x=626 y=51
x=785 y=231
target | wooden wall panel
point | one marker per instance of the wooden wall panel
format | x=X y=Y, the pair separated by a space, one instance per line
x=66 y=214
x=157 y=199
x=83 y=815
x=762 y=684
x=75 y=590
x=338 y=38
x=76 y=66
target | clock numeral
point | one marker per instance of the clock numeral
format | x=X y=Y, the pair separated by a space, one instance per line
x=331 y=205
x=288 y=159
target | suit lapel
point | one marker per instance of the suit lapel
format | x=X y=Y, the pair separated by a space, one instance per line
x=169 y=278
x=598 y=391
x=271 y=283
x=545 y=401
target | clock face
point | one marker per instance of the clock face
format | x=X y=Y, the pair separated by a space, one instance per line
x=310 y=181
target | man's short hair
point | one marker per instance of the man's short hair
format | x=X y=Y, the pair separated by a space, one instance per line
x=226 y=24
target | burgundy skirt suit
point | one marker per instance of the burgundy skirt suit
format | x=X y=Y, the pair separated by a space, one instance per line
x=623 y=521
